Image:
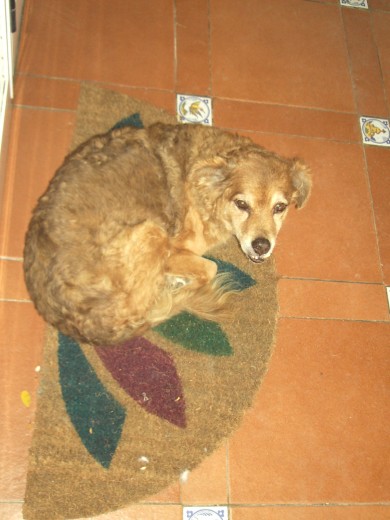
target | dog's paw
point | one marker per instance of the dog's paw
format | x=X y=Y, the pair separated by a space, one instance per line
x=175 y=283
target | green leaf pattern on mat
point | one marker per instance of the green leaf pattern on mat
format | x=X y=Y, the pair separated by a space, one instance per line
x=196 y=334
x=239 y=280
x=97 y=417
x=133 y=120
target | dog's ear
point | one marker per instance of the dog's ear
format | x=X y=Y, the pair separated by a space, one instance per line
x=301 y=181
x=210 y=177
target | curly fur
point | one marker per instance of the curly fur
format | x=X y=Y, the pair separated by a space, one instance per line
x=115 y=244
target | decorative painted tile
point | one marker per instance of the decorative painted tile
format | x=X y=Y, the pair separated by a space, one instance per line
x=361 y=4
x=194 y=109
x=205 y=513
x=375 y=131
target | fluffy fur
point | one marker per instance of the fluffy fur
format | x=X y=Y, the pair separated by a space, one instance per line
x=115 y=244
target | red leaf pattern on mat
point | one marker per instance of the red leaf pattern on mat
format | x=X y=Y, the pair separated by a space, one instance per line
x=148 y=374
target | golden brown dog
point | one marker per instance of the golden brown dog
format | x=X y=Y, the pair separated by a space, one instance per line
x=115 y=244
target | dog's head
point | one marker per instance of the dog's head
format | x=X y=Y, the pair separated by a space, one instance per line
x=251 y=194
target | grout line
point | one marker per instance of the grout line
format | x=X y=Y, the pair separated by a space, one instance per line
x=378 y=56
x=324 y=280
x=286 y=105
x=45 y=76
x=372 y=211
x=47 y=109
x=300 y=136
x=93 y=81
x=349 y=60
x=315 y=504
x=175 y=48
x=273 y=505
x=210 y=89
x=152 y=503
x=14 y=300
x=319 y=318
x=322 y=2
x=80 y=80
x=12 y=258
x=256 y=505
x=228 y=489
x=264 y=505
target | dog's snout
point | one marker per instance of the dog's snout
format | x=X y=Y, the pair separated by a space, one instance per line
x=261 y=246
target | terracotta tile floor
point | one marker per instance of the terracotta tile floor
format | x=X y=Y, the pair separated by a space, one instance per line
x=295 y=75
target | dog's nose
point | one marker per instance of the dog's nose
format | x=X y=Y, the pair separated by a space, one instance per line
x=261 y=246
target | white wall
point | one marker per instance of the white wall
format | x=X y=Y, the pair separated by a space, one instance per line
x=8 y=56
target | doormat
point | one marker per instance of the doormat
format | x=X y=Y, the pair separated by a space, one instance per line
x=116 y=425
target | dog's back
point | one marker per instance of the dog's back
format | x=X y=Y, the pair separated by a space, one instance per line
x=86 y=236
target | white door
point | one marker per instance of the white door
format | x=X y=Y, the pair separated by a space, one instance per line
x=6 y=87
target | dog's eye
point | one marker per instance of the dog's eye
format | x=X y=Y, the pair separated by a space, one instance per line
x=280 y=207
x=241 y=204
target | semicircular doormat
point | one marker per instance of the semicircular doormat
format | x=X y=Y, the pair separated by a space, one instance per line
x=116 y=425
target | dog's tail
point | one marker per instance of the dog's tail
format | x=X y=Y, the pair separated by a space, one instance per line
x=210 y=301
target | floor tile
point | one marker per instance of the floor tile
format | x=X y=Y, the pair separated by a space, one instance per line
x=12 y=286
x=46 y=92
x=378 y=161
x=375 y=131
x=365 y=64
x=20 y=353
x=383 y=5
x=11 y=511
x=318 y=299
x=295 y=58
x=354 y=4
x=148 y=512
x=120 y=42
x=40 y=140
x=62 y=94
x=207 y=484
x=319 y=429
x=169 y=495
x=192 y=47
x=333 y=236
x=201 y=511
x=194 y=109
x=279 y=119
x=312 y=513
x=381 y=24
x=140 y=512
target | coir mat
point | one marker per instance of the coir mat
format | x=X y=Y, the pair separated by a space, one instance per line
x=116 y=425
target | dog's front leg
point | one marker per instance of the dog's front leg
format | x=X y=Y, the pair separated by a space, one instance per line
x=184 y=268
